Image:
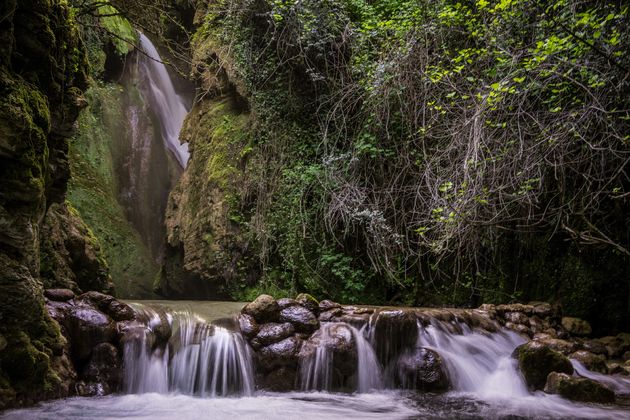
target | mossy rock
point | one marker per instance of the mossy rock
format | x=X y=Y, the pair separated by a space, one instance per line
x=578 y=389
x=536 y=361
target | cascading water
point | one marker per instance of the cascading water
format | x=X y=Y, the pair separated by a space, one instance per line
x=169 y=106
x=198 y=359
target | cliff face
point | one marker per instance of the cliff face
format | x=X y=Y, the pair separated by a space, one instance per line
x=42 y=75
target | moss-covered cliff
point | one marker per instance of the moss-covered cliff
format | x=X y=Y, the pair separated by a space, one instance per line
x=400 y=151
x=42 y=73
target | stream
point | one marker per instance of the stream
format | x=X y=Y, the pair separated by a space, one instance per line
x=209 y=374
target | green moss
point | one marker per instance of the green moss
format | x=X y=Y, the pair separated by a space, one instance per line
x=92 y=192
x=124 y=36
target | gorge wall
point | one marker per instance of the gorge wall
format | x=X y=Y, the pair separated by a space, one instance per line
x=43 y=71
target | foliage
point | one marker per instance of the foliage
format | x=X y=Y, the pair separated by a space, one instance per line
x=410 y=140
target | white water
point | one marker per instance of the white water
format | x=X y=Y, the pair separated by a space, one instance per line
x=203 y=363
x=200 y=359
x=169 y=106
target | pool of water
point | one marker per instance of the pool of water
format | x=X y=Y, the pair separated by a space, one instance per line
x=316 y=405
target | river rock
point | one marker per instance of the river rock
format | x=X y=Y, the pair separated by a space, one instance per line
x=514 y=307
x=87 y=327
x=578 y=389
x=59 y=295
x=105 y=368
x=264 y=309
x=536 y=361
x=248 y=325
x=563 y=346
x=519 y=328
x=281 y=354
x=516 y=318
x=576 y=326
x=273 y=332
x=594 y=362
x=542 y=309
x=116 y=309
x=326 y=305
x=283 y=379
x=595 y=347
x=394 y=331
x=338 y=341
x=421 y=369
x=309 y=302
x=286 y=302
x=302 y=319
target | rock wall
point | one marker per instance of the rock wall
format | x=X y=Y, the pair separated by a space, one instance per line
x=42 y=74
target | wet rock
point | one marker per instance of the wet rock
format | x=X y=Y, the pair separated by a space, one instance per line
x=576 y=326
x=326 y=305
x=594 y=362
x=264 y=309
x=330 y=315
x=286 y=302
x=302 y=319
x=273 y=332
x=87 y=327
x=421 y=369
x=394 y=331
x=59 y=295
x=519 y=328
x=616 y=368
x=615 y=346
x=116 y=309
x=515 y=307
x=536 y=361
x=248 y=325
x=578 y=389
x=105 y=368
x=595 y=347
x=542 y=309
x=283 y=379
x=337 y=340
x=563 y=346
x=309 y=302
x=281 y=354
x=516 y=318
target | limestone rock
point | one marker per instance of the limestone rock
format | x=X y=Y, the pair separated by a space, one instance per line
x=309 y=302
x=536 y=361
x=281 y=354
x=302 y=319
x=578 y=389
x=264 y=309
x=594 y=362
x=104 y=368
x=576 y=326
x=248 y=325
x=87 y=327
x=421 y=369
x=273 y=332
x=59 y=295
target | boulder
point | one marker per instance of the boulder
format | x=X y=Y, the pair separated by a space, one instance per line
x=421 y=369
x=519 y=328
x=104 y=368
x=281 y=354
x=116 y=309
x=264 y=309
x=326 y=305
x=578 y=389
x=248 y=325
x=286 y=302
x=576 y=326
x=516 y=318
x=563 y=346
x=593 y=362
x=283 y=379
x=59 y=295
x=273 y=332
x=542 y=309
x=336 y=341
x=536 y=361
x=309 y=302
x=594 y=346
x=86 y=327
x=514 y=307
x=302 y=319
x=395 y=331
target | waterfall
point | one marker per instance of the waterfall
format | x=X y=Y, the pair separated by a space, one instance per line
x=169 y=106
x=198 y=358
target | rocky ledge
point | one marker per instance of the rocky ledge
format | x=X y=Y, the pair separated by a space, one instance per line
x=93 y=326
x=284 y=333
